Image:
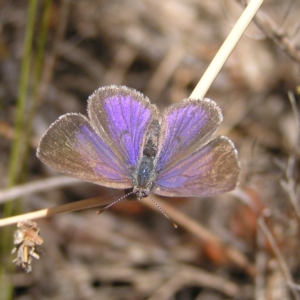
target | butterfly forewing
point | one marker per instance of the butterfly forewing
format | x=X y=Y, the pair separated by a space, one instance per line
x=186 y=127
x=211 y=170
x=72 y=147
x=124 y=115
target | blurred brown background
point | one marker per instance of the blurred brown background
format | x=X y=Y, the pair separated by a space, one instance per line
x=161 y=48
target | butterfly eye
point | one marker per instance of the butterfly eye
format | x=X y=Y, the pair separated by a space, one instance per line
x=145 y=193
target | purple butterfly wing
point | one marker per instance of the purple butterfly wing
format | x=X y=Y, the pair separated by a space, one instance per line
x=186 y=127
x=123 y=116
x=211 y=170
x=72 y=147
x=105 y=149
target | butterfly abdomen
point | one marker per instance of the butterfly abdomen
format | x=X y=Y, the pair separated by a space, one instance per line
x=145 y=172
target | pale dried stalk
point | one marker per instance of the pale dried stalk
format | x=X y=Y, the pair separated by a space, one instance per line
x=226 y=49
x=36 y=187
x=48 y=212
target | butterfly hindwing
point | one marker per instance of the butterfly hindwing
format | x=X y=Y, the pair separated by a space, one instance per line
x=211 y=170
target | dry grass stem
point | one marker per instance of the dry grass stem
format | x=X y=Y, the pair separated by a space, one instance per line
x=36 y=187
x=48 y=212
x=282 y=263
x=226 y=49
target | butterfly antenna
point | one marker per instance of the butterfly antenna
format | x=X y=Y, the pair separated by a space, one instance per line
x=113 y=203
x=162 y=211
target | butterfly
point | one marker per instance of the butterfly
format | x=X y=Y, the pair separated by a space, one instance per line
x=127 y=143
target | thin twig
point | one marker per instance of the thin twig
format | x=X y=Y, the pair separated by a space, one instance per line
x=123 y=58
x=36 y=187
x=164 y=71
x=50 y=60
x=269 y=27
x=186 y=275
x=265 y=230
x=290 y=186
x=261 y=266
x=81 y=58
x=284 y=268
x=48 y=212
x=297 y=116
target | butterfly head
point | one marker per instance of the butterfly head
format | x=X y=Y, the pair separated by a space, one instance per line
x=141 y=192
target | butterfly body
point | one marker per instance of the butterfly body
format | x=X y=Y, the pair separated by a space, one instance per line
x=146 y=170
x=126 y=143
x=144 y=180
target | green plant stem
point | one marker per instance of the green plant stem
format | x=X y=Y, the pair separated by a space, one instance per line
x=37 y=71
x=16 y=151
